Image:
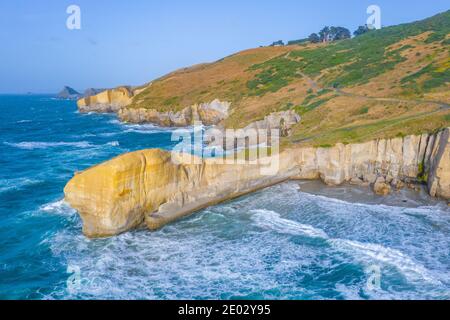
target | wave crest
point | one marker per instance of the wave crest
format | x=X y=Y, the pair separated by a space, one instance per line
x=16 y=184
x=366 y=253
x=272 y=220
x=31 y=145
x=60 y=207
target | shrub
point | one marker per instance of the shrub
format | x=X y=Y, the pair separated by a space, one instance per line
x=363 y=110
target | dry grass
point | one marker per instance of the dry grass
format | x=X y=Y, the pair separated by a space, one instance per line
x=327 y=116
x=225 y=79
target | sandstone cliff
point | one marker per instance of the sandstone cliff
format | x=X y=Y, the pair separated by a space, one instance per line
x=148 y=187
x=282 y=121
x=117 y=101
x=208 y=113
x=107 y=101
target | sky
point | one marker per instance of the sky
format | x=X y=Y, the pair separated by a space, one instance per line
x=132 y=42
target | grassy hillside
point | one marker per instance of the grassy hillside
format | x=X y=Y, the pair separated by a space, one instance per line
x=385 y=83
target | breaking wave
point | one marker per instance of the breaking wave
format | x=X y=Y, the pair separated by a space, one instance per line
x=364 y=252
x=16 y=184
x=28 y=145
x=369 y=253
x=59 y=207
x=46 y=145
x=272 y=220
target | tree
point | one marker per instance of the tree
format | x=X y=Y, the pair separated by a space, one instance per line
x=361 y=30
x=329 y=34
x=314 y=38
x=341 y=33
x=325 y=34
x=277 y=43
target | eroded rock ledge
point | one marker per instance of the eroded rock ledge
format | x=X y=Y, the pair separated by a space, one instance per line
x=148 y=188
x=207 y=113
x=108 y=101
x=119 y=101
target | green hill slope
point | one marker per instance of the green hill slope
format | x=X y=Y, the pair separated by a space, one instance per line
x=389 y=82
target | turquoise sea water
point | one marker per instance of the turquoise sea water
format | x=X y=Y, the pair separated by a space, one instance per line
x=280 y=243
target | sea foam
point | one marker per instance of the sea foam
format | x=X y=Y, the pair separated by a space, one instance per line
x=363 y=252
x=59 y=207
x=272 y=220
x=16 y=184
x=31 y=145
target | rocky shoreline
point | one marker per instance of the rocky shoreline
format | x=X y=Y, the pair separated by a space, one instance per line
x=118 y=101
x=208 y=114
x=405 y=198
x=148 y=188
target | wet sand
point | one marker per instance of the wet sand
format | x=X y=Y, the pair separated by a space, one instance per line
x=357 y=194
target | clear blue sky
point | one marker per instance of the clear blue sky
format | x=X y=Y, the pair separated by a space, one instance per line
x=135 y=41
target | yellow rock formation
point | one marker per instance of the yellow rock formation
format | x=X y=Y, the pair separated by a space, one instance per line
x=107 y=101
x=153 y=188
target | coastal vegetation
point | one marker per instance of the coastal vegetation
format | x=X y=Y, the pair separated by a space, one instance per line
x=330 y=34
x=378 y=84
x=361 y=30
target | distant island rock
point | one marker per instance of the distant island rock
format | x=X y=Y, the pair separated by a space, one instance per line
x=69 y=93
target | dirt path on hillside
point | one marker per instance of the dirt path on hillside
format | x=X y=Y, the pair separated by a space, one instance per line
x=316 y=86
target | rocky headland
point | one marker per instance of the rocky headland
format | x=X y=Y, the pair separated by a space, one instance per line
x=148 y=188
x=211 y=113
x=117 y=101
x=107 y=101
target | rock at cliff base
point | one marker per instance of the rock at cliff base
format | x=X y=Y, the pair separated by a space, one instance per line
x=397 y=184
x=358 y=182
x=381 y=188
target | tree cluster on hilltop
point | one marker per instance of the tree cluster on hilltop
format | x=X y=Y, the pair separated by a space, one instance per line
x=330 y=34
x=278 y=43
x=327 y=34
x=361 y=30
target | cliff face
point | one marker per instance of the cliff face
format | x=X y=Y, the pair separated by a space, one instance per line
x=282 y=121
x=117 y=100
x=147 y=187
x=208 y=113
x=107 y=101
x=424 y=158
x=438 y=164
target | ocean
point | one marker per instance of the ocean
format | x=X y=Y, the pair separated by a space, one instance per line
x=296 y=240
